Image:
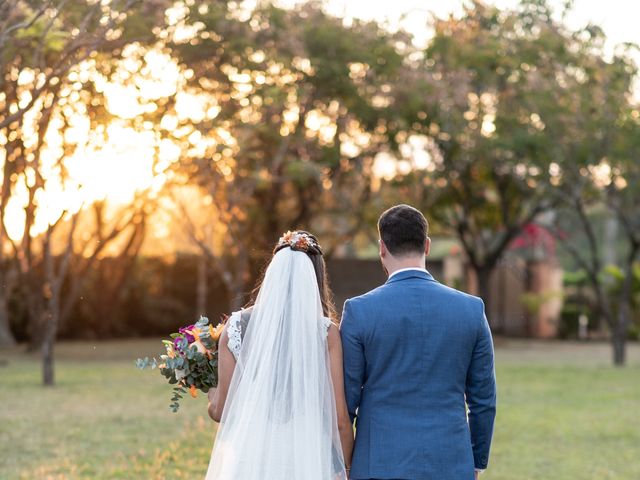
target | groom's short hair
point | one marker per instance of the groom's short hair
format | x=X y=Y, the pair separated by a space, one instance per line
x=404 y=230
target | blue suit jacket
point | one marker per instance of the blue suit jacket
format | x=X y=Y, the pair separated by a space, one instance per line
x=414 y=350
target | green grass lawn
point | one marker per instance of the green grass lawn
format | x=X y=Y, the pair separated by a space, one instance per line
x=564 y=414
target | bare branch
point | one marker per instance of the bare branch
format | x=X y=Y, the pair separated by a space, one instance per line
x=22 y=25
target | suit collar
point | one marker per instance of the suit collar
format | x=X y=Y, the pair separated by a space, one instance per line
x=413 y=273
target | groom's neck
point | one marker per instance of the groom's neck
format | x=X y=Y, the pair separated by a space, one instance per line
x=393 y=265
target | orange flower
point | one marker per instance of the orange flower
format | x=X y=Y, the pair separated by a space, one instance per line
x=216 y=332
x=195 y=332
x=199 y=346
x=193 y=392
x=287 y=236
x=302 y=243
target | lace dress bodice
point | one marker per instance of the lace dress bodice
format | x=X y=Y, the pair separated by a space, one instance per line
x=237 y=327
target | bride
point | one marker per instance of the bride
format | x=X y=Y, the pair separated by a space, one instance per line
x=280 y=397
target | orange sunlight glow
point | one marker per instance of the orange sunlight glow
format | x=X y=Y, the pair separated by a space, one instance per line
x=129 y=162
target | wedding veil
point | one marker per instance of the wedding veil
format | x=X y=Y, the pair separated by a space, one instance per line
x=279 y=420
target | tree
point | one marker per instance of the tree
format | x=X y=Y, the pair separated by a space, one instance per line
x=622 y=198
x=605 y=184
x=498 y=88
x=594 y=169
x=290 y=109
x=47 y=55
x=105 y=230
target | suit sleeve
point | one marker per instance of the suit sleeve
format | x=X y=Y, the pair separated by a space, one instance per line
x=481 y=394
x=353 y=358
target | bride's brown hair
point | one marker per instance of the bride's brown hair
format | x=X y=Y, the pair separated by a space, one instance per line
x=314 y=252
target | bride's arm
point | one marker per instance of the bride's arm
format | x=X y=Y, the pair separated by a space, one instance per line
x=337 y=376
x=226 y=365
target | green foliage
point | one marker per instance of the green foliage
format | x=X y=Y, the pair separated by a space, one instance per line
x=520 y=113
x=614 y=278
x=303 y=105
x=490 y=87
x=580 y=298
x=524 y=103
x=570 y=320
x=534 y=301
x=575 y=279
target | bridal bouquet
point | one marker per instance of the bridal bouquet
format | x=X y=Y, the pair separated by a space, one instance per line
x=191 y=361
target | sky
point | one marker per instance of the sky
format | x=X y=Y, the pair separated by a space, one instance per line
x=618 y=18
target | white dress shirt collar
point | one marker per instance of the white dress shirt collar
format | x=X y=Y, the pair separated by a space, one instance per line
x=408 y=269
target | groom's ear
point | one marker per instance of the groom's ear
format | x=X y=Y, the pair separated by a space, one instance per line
x=383 y=248
x=427 y=247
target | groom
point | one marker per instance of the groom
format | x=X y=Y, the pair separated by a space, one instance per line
x=416 y=355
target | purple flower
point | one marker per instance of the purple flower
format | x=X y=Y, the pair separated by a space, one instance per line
x=183 y=330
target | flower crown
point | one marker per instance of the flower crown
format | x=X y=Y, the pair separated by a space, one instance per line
x=301 y=241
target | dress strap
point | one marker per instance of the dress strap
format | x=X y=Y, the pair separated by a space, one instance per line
x=234 y=332
x=326 y=322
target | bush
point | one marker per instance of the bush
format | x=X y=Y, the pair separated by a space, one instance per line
x=157 y=297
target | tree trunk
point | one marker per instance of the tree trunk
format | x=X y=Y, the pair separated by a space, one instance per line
x=36 y=327
x=240 y=280
x=202 y=288
x=619 y=340
x=611 y=237
x=235 y=286
x=6 y=336
x=48 y=374
x=237 y=301
x=621 y=322
x=501 y=321
x=48 y=378
x=483 y=274
x=51 y=322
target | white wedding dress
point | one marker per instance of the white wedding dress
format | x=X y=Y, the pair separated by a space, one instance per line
x=279 y=420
